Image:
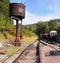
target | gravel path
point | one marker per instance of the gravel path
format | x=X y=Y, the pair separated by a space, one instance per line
x=30 y=55
x=49 y=54
x=12 y=58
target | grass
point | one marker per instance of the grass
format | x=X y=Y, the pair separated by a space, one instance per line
x=2 y=38
x=9 y=36
x=9 y=51
x=28 y=40
x=12 y=51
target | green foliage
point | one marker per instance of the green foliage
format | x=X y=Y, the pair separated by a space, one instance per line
x=58 y=28
x=52 y=25
x=41 y=28
x=1 y=24
x=4 y=13
x=30 y=27
x=1 y=36
x=2 y=17
x=28 y=30
x=4 y=7
x=28 y=33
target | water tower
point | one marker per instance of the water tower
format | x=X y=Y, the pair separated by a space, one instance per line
x=17 y=12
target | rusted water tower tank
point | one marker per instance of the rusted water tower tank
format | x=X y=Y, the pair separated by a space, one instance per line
x=17 y=10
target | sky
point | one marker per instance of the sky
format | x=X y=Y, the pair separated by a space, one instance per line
x=40 y=10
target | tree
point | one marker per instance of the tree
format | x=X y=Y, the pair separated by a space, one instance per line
x=52 y=25
x=4 y=11
x=41 y=28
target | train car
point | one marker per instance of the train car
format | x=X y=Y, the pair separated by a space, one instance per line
x=53 y=34
x=45 y=35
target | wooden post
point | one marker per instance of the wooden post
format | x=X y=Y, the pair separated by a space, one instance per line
x=21 y=32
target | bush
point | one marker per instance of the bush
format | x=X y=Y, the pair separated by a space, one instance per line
x=28 y=33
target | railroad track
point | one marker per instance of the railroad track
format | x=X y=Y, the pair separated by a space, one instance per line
x=45 y=42
x=49 y=52
x=51 y=42
x=30 y=54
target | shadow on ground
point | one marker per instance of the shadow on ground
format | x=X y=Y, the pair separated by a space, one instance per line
x=53 y=53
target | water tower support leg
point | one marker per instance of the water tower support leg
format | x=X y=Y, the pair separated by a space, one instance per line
x=21 y=32
x=17 y=39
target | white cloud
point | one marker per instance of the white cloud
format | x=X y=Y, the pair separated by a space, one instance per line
x=54 y=7
x=31 y=18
